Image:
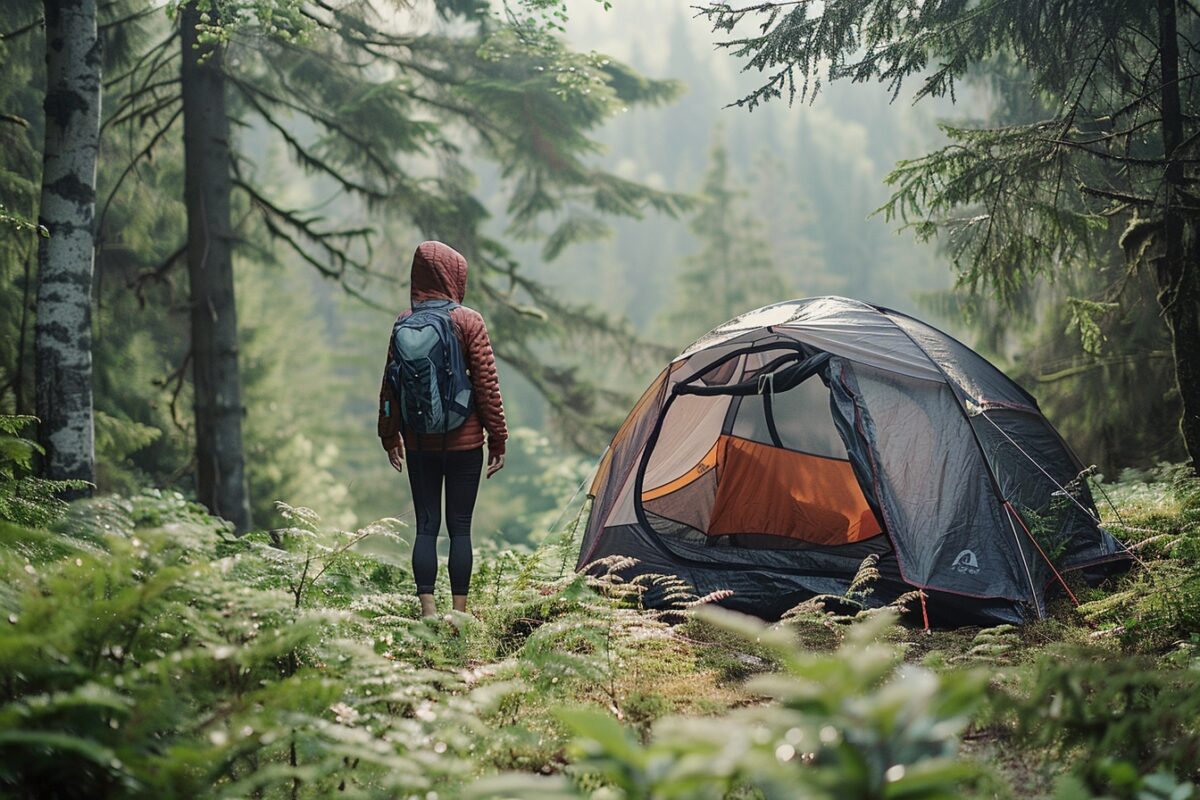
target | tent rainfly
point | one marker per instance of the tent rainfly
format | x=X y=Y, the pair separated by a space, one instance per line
x=777 y=452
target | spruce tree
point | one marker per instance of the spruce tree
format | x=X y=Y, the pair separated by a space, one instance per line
x=21 y=97
x=208 y=187
x=733 y=271
x=1090 y=342
x=384 y=117
x=1026 y=200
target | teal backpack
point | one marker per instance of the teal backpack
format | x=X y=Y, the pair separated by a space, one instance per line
x=427 y=371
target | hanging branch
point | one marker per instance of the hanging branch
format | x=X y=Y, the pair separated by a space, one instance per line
x=24 y=29
x=141 y=14
x=278 y=219
x=151 y=53
x=330 y=123
x=145 y=152
x=305 y=156
x=175 y=379
x=155 y=275
x=142 y=113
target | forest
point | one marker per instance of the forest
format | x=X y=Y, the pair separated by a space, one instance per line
x=212 y=576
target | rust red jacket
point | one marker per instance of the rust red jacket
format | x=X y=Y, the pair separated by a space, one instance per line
x=439 y=272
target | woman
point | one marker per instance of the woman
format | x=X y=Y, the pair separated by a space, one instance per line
x=454 y=458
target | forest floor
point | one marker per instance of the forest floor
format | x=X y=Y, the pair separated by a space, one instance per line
x=154 y=654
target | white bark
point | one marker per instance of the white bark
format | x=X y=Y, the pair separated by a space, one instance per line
x=63 y=335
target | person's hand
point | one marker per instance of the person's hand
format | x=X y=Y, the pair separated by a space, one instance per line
x=495 y=463
x=396 y=457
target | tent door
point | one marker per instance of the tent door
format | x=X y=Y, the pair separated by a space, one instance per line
x=778 y=475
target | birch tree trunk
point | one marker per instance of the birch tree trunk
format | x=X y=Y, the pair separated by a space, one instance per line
x=220 y=463
x=63 y=332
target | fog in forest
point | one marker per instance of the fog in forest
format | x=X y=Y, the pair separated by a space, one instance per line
x=600 y=399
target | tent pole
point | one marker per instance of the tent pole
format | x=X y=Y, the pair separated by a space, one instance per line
x=1046 y=558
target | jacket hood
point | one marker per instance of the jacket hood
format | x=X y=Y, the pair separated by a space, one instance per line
x=439 y=272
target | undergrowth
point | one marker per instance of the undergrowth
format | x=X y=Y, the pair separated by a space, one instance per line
x=147 y=652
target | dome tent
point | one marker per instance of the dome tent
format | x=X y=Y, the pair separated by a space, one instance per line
x=782 y=448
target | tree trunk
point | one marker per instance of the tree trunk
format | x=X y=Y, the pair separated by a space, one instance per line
x=63 y=331
x=1176 y=269
x=220 y=464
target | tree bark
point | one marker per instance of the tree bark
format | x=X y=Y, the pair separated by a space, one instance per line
x=1177 y=270
x=66 y=259
x=220 y=462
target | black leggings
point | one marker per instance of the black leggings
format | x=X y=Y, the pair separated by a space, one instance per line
x=460 y=470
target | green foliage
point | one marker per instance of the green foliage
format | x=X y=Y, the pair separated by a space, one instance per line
x=1131 y=723
x=1084 y=315
x=166 y=663
x=117 y=439
x=1023 y=198
x=19 y=224
x=1156 y=605
x=20 y=165
x=734 y=271
x=854 y=723
x=534 y=19
x=26 y=499
x=148 y=653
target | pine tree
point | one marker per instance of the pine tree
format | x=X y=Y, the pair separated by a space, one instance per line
x=208 y=187
x=1091 y=342
x=733 y=271
x=781 y=202
x=382 y=116
x=21 y=98
x=1033 y=199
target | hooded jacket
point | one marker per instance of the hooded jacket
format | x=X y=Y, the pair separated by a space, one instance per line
x=439 y=272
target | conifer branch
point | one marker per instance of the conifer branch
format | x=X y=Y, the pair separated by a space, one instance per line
x=341 y=261
x=16 y=32
x=304 y=155
x=155 y=274
x=145 y=152
x=1120 y=197
x=150 y=54
x=331 y=124
x=149 y=10
x=142 y=113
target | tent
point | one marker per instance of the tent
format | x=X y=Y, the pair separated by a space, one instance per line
x=778 y=451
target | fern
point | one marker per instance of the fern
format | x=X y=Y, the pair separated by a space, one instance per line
x=24 y=498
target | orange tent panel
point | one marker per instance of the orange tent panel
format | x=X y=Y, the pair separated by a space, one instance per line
x=769 y=490
x=777 y=492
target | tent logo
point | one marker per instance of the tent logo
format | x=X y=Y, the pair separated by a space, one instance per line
x=966 y=563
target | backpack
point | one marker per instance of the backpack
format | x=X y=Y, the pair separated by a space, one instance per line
x=428 y=373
